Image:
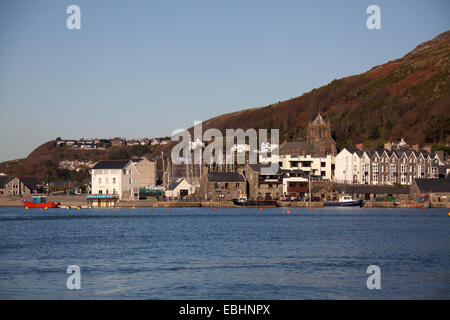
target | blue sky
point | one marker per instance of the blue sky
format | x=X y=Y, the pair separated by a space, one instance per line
x=144 y=68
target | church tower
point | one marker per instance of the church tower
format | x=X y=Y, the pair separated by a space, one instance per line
x=319 y=140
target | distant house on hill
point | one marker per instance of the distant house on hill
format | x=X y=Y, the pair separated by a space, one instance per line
x=117 y=142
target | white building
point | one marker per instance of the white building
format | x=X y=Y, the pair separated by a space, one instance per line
x=314 y=166
x=116 y=177
x=179 y=189
x=383 y=166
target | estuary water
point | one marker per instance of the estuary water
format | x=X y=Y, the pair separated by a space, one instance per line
x=199 y=253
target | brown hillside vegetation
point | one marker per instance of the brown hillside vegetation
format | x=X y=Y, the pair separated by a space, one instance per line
x=391 y=101
x=405 y=98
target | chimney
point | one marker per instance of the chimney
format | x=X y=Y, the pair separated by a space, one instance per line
x=388 y=145
x=360 y=146
x=415 y=147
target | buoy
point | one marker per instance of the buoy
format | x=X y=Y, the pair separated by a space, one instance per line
x=311 y=208
x=151 y=209
x=26 y=208
x=134 y=208
x=46 y=208
x=78 y=208
x=289 y=211
x=284 y=211
x=260 y=208
x=215 y=209
x=449 y=213
x=168 y=209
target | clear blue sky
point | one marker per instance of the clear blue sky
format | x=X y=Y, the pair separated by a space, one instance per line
x=144 y=68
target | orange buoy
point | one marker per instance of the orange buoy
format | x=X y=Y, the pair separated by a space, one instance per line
x=284 y=211
x=289 y=211
x=260 y=208
x=215 y=209
x=151 y=209
x=168 y=209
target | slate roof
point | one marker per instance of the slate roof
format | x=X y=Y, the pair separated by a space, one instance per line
x=293 y=147
x=175 y=184
x=433 y=185
x=111 y=164
x=3 y=181
x=352 y=189
x=30 y=182
x=225 y=176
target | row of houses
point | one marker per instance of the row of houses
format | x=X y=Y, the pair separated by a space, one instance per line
x=102 y=144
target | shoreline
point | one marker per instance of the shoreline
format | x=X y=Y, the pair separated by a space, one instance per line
x=80 y=201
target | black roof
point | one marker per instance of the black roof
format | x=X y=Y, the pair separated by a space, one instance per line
x=30 y=182
x=433 y=185
x=352 y=189
x=174 y=184
x=225 y=176
x=111 y=164
x=4 y=180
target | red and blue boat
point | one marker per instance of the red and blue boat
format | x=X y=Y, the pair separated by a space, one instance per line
x=40 y=202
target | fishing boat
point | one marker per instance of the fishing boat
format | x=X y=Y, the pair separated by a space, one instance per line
x=344 y=201
x=40 y=202
x=242 y=201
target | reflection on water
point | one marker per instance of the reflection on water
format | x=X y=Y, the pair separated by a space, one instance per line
x=194 y=253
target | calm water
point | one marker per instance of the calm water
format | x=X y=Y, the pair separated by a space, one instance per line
x=193 y=253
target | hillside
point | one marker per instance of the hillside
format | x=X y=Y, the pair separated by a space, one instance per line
x=405 y=98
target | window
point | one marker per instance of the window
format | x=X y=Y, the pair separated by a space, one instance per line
x=392 y=178
x=216 y=185
x=375 y=167
x=403 y=179
x=403 y=168
x=114 y=180
x=237 y=185
x=375 y=177
x=393 y=167
x=129 y=180
x=99 y=180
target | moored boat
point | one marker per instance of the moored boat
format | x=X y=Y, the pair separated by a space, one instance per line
x=344 y=201
x=40 y=202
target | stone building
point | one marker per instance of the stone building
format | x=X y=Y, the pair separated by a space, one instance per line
x=18 y=186
x=332 y=192
x=267 y=187
x=147 y=172
x=319 y=140
x=434 y=190
x=221 y=186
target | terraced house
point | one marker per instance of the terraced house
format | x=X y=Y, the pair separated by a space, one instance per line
x=383 y=166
